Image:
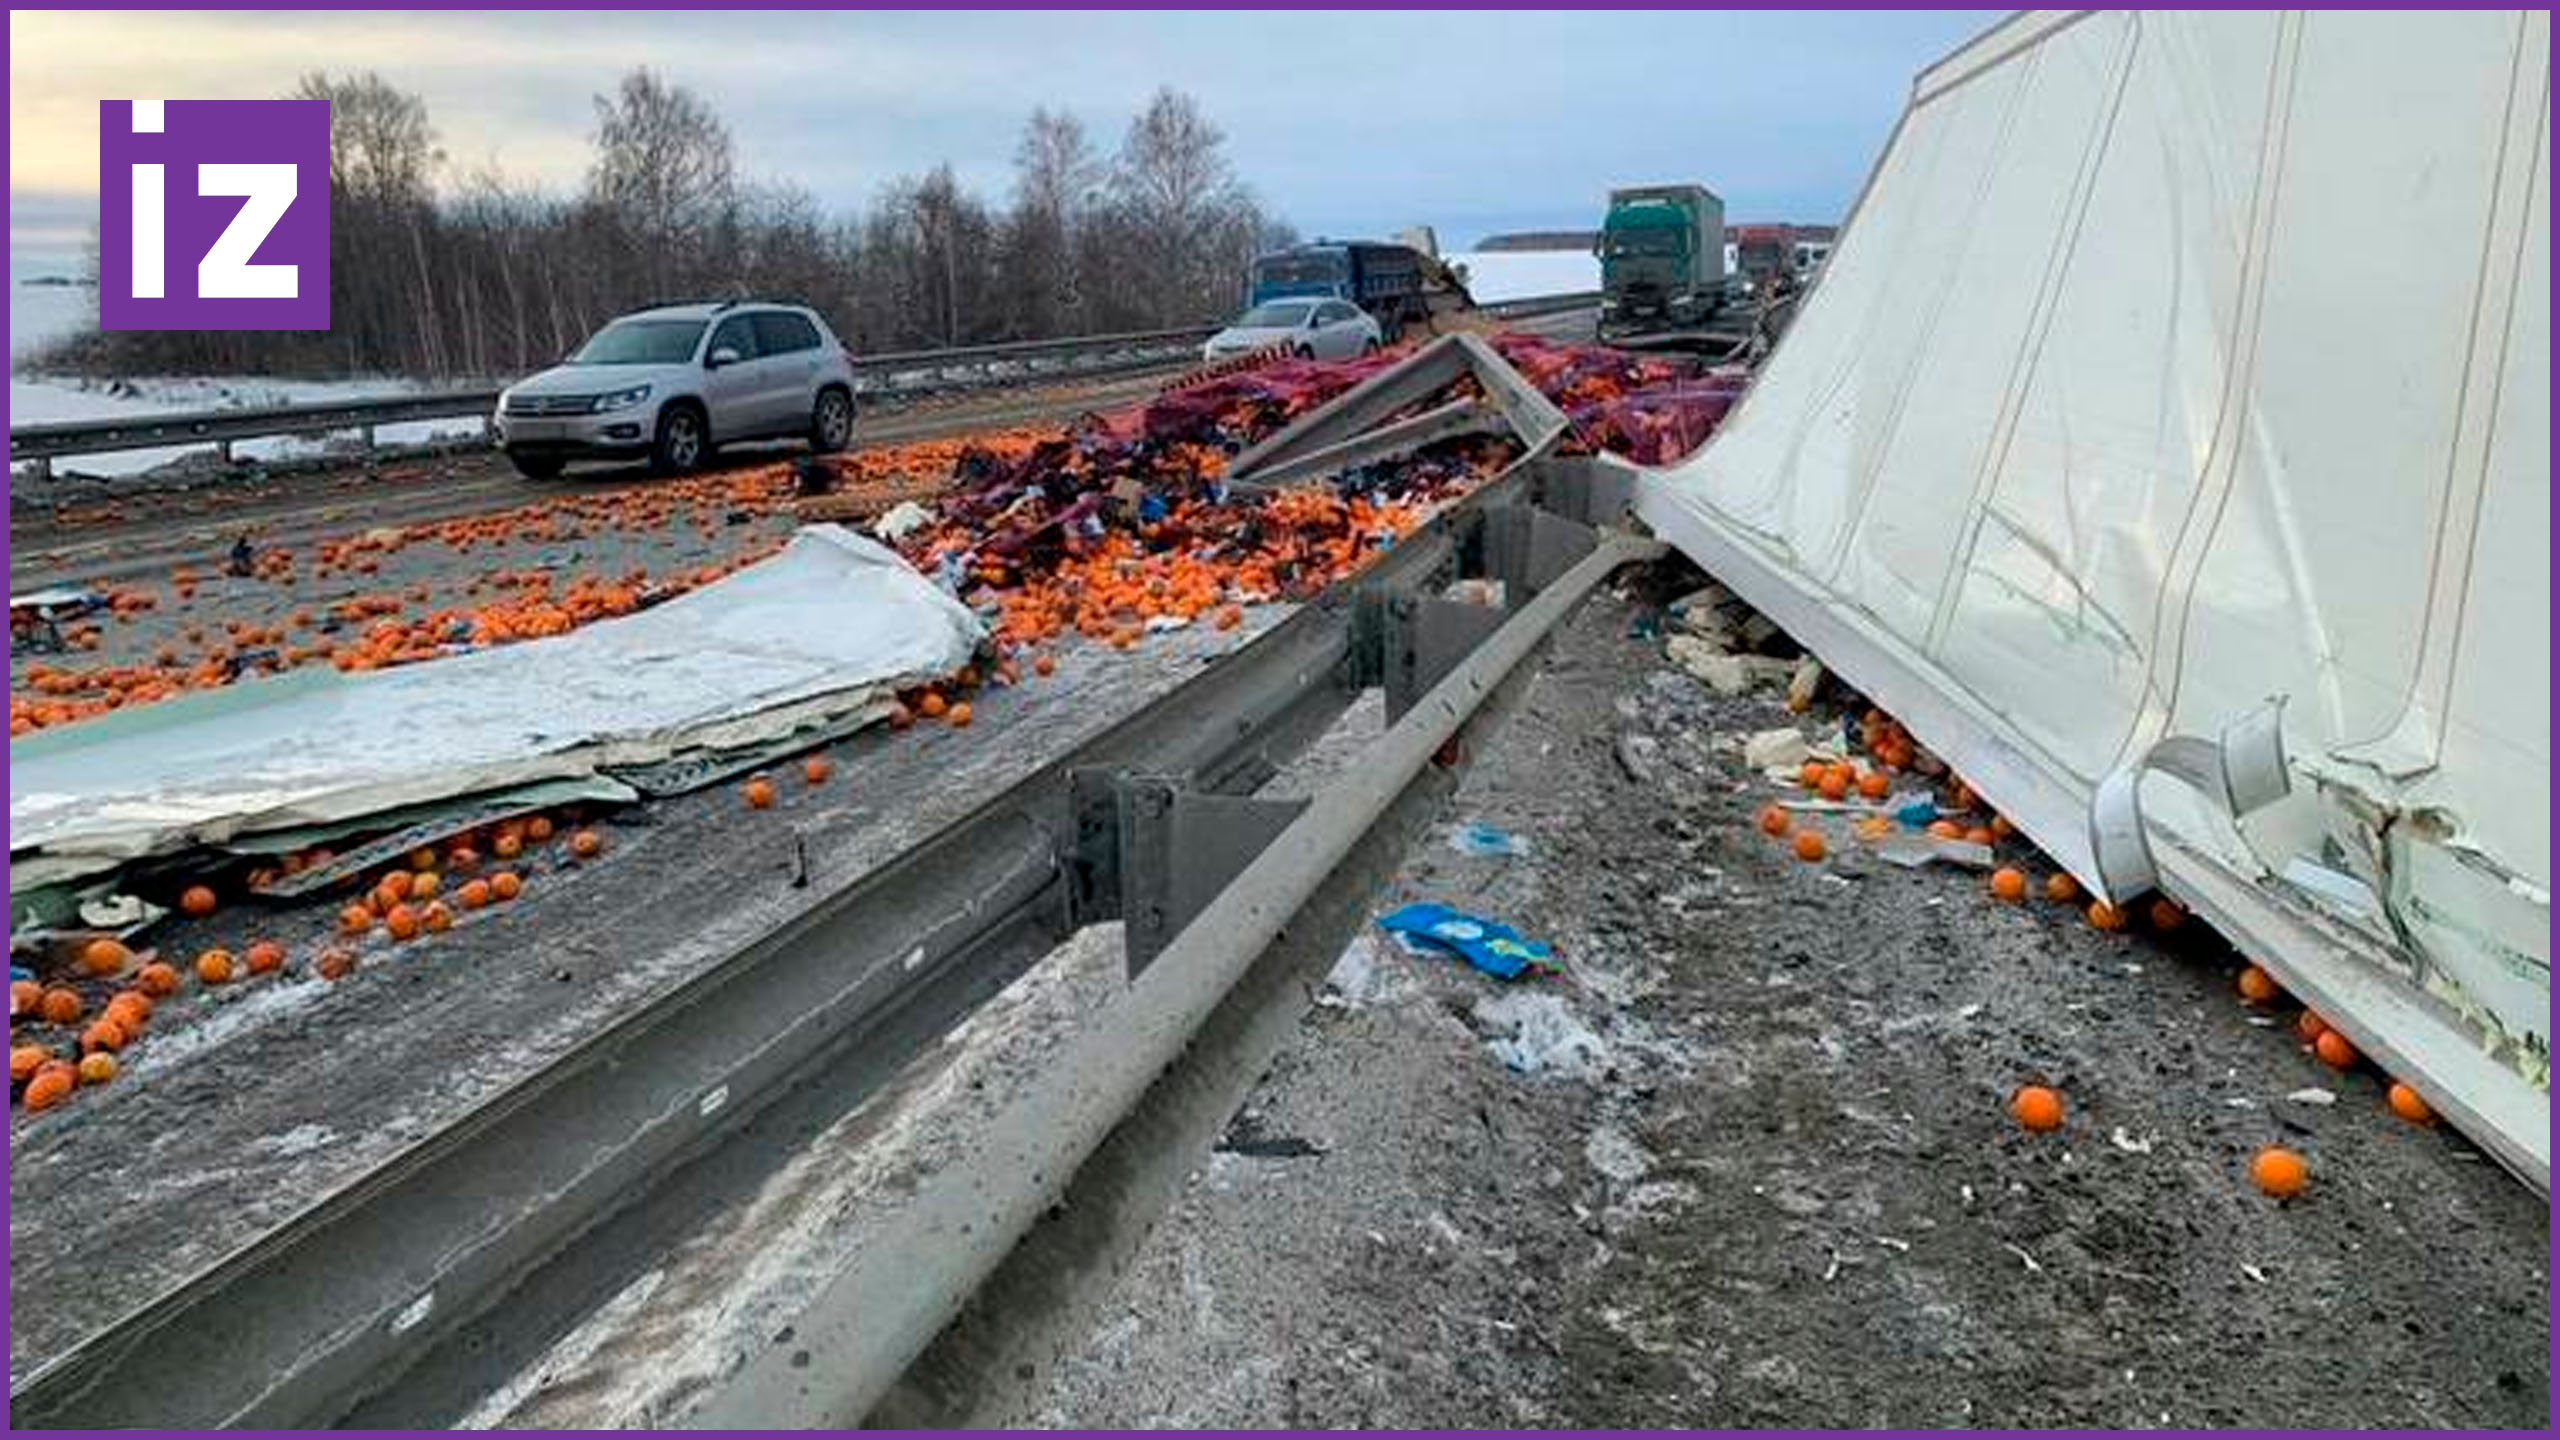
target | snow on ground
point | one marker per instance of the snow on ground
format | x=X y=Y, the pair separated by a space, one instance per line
x=39 y=314
x=1498 y=275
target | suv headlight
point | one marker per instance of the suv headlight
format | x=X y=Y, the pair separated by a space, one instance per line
x=622 y=399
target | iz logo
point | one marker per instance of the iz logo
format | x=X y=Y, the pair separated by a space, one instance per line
x=213 y=214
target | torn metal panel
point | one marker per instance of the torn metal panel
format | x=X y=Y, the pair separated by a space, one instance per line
x=828 y=629
x=1352 y=416
x=2073 y=462
x=1387 y=442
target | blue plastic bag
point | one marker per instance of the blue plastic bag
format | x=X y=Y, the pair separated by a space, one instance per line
x=1489 y=945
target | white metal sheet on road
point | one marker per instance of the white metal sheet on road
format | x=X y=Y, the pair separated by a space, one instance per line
x=831 y=626
x=2171 y=363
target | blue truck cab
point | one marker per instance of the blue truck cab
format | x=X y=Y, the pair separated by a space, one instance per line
x=1384 y=280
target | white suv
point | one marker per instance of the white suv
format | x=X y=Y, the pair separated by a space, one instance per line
x=673 y=382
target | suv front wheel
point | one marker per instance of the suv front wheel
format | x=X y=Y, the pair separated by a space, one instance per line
x=682 y=440
x=831 y=423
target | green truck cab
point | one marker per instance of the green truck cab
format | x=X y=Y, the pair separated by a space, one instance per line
x=1661 y=251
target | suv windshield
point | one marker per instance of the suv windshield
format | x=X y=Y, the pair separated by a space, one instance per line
x=641 y=342
x=1274 y=316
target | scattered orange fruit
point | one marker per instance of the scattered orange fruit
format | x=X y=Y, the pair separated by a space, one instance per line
x=2310 y=1026
x=816 y=769
x=104 y=957
x=97 y=1067
x=50 y=1085
x=538 y=829
x=2105 y=916
x=1811 y=774
x=900 y=717
x=157 y=978
x=23 y=995
x=587 y=844
x=1809 y=846
x=2334 y=1050
x=2279 y=1172
x=337 y=963
x=1834 y=785
x=104 y=1035
x=759 y=793
x=436 y=918
x=425 y=884
x=2001 y=829
x=2036 y=1107
x=1946 y=829
x=1774 y=821
x=960 y=715
x=1981 y=835
x=2167 y=914
x=213 y=967
x=394 y=887
x=264 y=957
x=473 y=894
x=197 y=900
x=355 y=920
x=1874 y=784
x=2060 y=886
x=402 y=922
x=422 y=858
x=24 y=1060
x=1044 y=665
x=506 y=885
x=2008 y=884
x=61 y=1005
x=932 y=705
x=2409 y=1105
x=2257 y=986
x=507 y=846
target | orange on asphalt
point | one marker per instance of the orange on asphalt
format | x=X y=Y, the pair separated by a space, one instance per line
x=213 y=967
x=264 y=957
x=759 y=793
x=2409 y=1105
x=1809 y=846
x=2279 y=1172
x=197 y=900
x=2036 y=1107
x=158 y=978
x=2060 y=886
x=1774 y=820
x=2008 y=884
x=2335 y=1050
x=2257 y=986
x=104 y=957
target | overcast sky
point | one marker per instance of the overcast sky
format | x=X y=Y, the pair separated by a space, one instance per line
x=1343 y=122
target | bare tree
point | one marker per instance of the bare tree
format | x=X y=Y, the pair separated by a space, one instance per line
x=1185 y=215
x=665 y=176
x=1057 y=180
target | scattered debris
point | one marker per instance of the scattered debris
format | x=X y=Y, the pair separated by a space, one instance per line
x=1478 y=838
x=1488 y=945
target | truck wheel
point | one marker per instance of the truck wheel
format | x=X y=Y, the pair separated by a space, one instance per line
x=539 y=467
x=682 y=442
x=831 y=424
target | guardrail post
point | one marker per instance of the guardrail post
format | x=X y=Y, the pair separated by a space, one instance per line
x=222 y=448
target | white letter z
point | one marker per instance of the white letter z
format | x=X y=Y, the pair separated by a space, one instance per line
x=225 y=272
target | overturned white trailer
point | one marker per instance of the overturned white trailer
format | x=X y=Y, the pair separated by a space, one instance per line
x=2169 y=446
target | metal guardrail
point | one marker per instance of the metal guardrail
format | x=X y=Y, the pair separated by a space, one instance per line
x=896 y=373
x=301 y=1324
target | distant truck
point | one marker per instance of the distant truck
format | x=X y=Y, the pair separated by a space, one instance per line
x=1387 y=281
x=1766 y=256
x=1661 y=251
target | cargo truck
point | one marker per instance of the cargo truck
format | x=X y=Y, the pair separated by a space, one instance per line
x=1387 y=281
x=1661 y=251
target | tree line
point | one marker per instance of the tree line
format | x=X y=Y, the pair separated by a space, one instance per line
x=438 y=274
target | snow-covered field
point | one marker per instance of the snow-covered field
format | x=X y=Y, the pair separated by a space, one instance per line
x=1498 y=275
x=39 y=314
